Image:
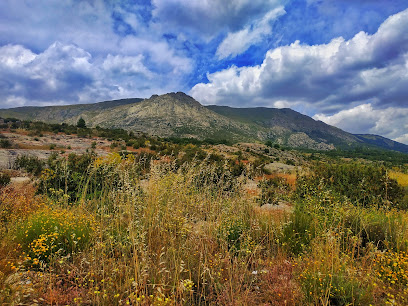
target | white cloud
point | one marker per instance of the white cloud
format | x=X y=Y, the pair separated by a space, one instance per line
x=127 y=65
x=15 y=55
x=326 y=77
x=159 y=53
x=36 y=24
x=207 y=18
x=112 y=32
x=65 y=74
x=390 y=122
x=238 y=42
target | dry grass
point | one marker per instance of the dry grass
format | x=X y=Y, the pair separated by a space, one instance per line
x=186 y=236
x=402 y=178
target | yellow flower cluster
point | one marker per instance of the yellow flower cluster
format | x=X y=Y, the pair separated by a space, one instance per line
x=401 y=178
x=392 y=268
x=50 y=231
x=188 y=284
x=110 y=159
x=114 y=159
x=41 y=246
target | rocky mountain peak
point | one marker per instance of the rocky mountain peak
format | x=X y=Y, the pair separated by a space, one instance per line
x=176 y=97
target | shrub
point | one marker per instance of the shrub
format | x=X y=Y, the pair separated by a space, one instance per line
x=5 y=143
x=4 y=179
x=233 y=232
x=31 y=164
x=54 y=231
x=364 y=185
x=81 y=123
x=273 y=189
x=298 y=232
x=68 y=174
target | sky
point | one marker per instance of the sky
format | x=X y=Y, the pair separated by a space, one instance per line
x=344 y=62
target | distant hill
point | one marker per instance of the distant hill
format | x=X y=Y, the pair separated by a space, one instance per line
x=63 y=113
x=288 y=125
x=382 y=142
x=179 y=115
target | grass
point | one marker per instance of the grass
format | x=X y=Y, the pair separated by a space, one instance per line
x=190 y=235
x=402 y=178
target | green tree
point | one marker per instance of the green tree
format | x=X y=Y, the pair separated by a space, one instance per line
x=81 y=123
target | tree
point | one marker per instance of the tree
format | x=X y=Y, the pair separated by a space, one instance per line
x=81 y=123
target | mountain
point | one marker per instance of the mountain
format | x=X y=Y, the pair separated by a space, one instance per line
x=382 y=142
x=288 y=125
x=179 y=115
x=63 y=113
x=172 y=115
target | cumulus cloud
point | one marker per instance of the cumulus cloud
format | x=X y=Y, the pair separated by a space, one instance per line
x=38 y=24
x=100 y=43
x=326 y=77
x=207 y=18
x=390 y=122
x=238 y=42
x=68 y=74
x=126 y=65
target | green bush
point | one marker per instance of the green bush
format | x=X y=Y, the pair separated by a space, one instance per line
x=364 y=185
x=5 y=143
x=31 y=164
x=4 y=179
x=232 y=231
x=273 y=190
x=53 y=232
x=67 y=174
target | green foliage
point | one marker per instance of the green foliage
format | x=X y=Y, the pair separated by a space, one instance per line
x=68 y=175
x=232 y=231
x=273 y=190
x=5 y=143
x=51 y=232
x=236 y=167
x=191 y=152
x=5 y=179
x=31 y=164
x=364 y=185
x=373 y=154
x=81 y=123
x=299 y=231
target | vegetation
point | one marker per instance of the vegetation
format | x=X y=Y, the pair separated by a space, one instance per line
x=175 y=223
x=81 y=123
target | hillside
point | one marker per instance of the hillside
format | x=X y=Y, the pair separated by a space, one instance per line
x=63 y=113
x=179 y=115
x=289 y=124
x=382 y=142
x=173 y=115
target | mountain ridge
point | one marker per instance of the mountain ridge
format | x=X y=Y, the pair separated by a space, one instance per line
x=179 y=115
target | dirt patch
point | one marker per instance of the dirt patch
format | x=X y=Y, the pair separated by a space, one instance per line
x=280 y=167
x=20 y=180
x=24 y=144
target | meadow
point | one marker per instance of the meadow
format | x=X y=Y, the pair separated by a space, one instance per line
x=137 y=228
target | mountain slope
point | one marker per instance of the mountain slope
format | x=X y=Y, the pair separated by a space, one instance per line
x=179 y=115
x=382 y=142
x=63 y=113
x=173 y=114
x=286 y=122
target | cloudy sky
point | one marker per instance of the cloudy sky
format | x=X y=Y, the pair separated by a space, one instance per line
x=344 y=62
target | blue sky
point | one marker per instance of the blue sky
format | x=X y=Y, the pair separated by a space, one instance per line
x=344 y=62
